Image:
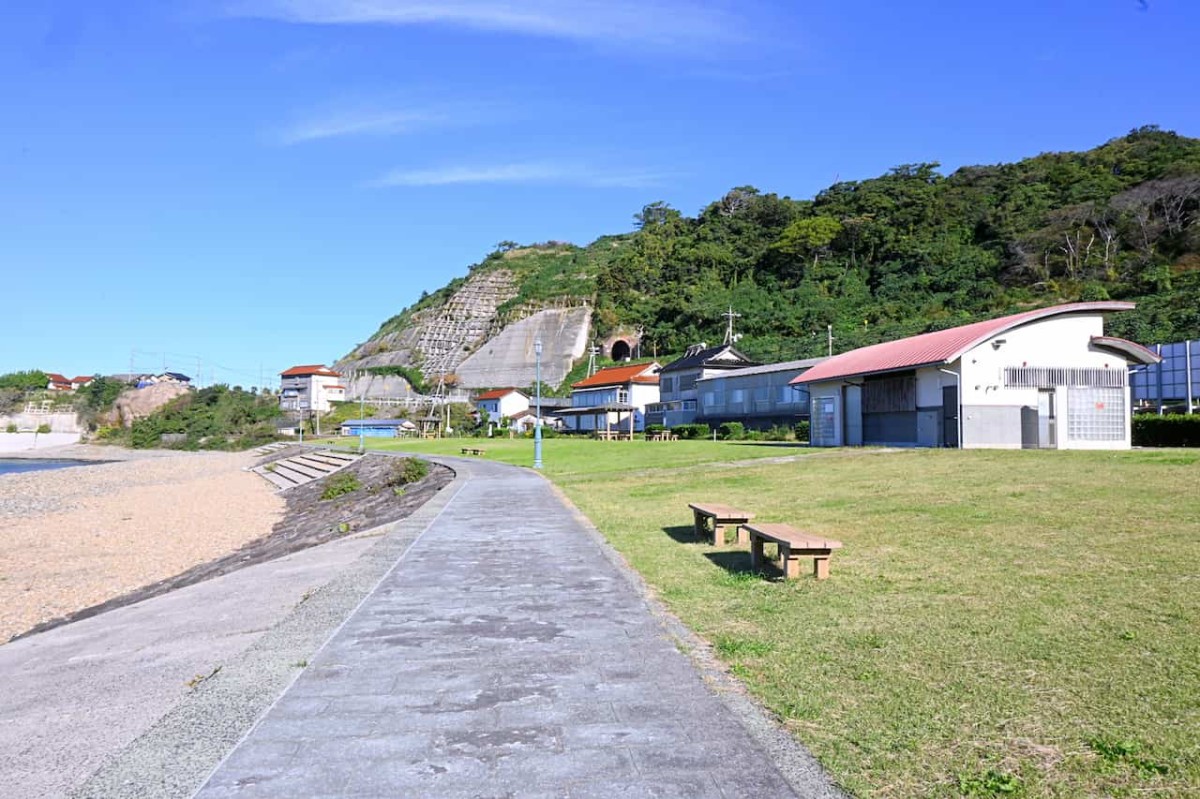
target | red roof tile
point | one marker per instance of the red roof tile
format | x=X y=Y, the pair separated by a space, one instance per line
x=82 y=379
x=56 y=378
x=941 y=346
x=310 y=369
x=620 y=375
x=497 y=393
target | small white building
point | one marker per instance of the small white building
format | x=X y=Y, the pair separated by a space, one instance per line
x=1046 y=379
x=499 y=403
x=614 y=398
x=310 y=387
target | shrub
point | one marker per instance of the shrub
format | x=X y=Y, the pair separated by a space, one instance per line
x=802 y=430
x=1174 y=430
x=43 y=428
x=731 y=431
x=654 y=429
x=11 y=428
x=781 y=433
x=755 y=435
x=692 y=430
x=409 y=470
x=340 y=484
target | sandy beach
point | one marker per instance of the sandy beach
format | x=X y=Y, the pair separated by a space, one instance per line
x=72 y=538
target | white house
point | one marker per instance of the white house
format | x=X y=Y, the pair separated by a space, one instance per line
x=499 y=403
x=1047 y=378
x=310 y=388
x=614 y=398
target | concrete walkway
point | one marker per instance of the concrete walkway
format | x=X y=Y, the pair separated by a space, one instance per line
x=507 y=655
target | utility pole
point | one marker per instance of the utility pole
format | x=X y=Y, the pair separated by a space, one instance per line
x=592 y=353
x=730 y=315
x=829 y=333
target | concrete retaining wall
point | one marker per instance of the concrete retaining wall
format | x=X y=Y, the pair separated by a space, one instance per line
x=23 y=442
x=59 y=422
x=508 y=359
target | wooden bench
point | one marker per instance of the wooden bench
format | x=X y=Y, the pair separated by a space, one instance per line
x=792 y=545
x=473 y=451
x=721 y=516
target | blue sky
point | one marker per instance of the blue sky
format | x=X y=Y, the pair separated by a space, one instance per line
x=259 y=183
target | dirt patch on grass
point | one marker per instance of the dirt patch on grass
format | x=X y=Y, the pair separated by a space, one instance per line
x=307 y=521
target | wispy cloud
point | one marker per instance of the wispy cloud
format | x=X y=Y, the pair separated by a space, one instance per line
x=664 y=24
x=391 y=116
x=526 y=172
x=362 y=123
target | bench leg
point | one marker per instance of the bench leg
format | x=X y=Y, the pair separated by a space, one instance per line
x=789 y=563
x=698 y=525
x=718 y=538
x=821 y=567
x=743 y=537
x=756 y=554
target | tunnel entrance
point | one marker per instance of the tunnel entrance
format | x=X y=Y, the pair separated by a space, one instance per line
x=620 y=350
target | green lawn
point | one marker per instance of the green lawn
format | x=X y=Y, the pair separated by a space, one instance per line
x=998 y=623
x=566 y=456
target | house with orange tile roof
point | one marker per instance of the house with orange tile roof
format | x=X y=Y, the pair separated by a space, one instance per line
x=57 y=382
x=310 y=387
x=614 y=398
x=1042 y=379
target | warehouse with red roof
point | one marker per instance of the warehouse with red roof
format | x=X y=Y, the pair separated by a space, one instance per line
x=1047 y=378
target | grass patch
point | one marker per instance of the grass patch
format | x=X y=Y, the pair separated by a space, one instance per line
x=568 y=457
x=993 y=618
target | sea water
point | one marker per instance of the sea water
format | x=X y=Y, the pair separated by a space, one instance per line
x=18 y=465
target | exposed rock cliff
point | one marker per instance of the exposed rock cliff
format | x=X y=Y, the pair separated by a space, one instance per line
x=138 y=403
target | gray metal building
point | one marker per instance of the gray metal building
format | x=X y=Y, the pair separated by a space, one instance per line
x=760 y=397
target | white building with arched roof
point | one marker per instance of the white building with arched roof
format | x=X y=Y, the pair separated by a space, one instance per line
x=1047 y=378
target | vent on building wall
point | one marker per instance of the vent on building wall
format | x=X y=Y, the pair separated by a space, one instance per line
x=1051 y=376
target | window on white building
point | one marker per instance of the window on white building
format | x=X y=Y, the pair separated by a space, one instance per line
x=1096 y=414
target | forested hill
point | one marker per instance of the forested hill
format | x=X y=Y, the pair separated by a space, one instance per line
x=910 y=251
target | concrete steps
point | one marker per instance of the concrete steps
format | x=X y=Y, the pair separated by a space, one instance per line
x=297 y=470
x=267 y=449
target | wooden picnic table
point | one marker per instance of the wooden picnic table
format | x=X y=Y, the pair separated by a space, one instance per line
x=721 y=517
x=613 y=435
x=793 y=545
x=665 y=435
x=473 y=451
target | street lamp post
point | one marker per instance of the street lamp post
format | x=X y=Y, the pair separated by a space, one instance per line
x=362 y=433
x=537 y=422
